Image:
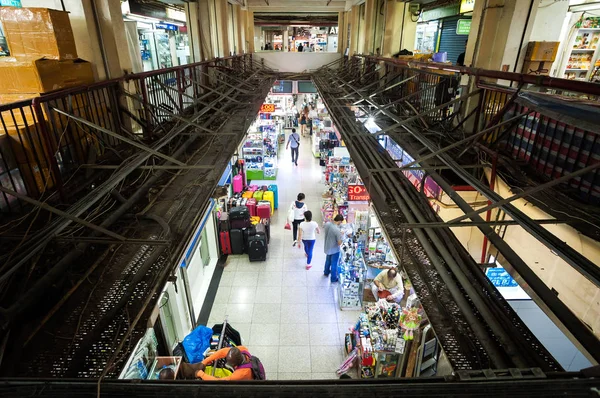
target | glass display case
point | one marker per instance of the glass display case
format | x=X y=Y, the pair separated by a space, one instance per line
x=352 y=274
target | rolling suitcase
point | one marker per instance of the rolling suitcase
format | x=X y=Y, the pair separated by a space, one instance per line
x=239 y=217
x=238 y=183
x=247 y=194
x=273 y=188
x=263 y=209
x=252 y=187
x=248 y=232
x=251 y=205
x=258 y=195
x=261 y=229
x=225 y=242
x=257 y=248
x=268 y=196
x=224 y=222
x=237 y=241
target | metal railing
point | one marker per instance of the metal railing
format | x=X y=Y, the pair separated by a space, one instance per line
x=42 y=149
x=542 y=141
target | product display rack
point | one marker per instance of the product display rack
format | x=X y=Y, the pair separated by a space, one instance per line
x=583 y=50
x=254 y=156
x=352 y=275
x=260 y=149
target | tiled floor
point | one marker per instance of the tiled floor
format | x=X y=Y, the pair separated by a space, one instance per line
x=287 y=316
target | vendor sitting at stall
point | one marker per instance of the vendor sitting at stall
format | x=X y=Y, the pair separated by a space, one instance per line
x=237 y=358
x=388 y=285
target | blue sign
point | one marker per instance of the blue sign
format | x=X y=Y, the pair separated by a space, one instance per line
x=500 y=277
x=166 y=26
x=10 y=3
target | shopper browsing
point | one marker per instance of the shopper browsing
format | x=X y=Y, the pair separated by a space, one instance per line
x=294 y=143
x=333 y=240
x=388 y=285
x=307 y=234
x=303 y=120
x=296 y=215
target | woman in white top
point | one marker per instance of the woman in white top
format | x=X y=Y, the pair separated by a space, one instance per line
x=307 y=234
x=297 y=210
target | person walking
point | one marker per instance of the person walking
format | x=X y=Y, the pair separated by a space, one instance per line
x=333 y=240
x=300 y=47
x=307 y=234
x=297 y=210
x=294 y=143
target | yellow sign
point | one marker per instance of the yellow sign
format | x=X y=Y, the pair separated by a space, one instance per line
x=466 y=6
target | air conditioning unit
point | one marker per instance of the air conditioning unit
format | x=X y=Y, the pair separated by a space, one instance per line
x=414 y=9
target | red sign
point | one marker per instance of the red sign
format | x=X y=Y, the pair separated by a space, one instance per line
x=267 y=108
x=357 y=193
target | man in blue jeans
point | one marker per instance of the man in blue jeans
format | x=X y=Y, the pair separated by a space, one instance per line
x=333 y=240
x=294 y=142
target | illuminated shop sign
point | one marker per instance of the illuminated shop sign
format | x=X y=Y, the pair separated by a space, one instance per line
x=267 y=108
x=357 y=193
x=166 y=26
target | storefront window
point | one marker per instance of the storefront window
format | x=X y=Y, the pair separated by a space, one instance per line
x=426 y=38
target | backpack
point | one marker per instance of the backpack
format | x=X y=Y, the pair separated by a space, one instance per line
x=258 y=370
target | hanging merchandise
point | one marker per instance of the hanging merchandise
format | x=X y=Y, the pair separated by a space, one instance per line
x=410 y=320
x=261 y=147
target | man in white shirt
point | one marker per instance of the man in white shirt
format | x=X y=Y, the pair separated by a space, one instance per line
x=388 y=283
x=294 y=143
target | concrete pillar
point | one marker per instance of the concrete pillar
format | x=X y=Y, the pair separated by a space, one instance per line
x=239 y=29
x=222 y=26
x=391 y=38
x=193 y=24
x=250 y=31
x=286 y=39
x=342 y=32
x=354 y=27
x=369 y=31
x=206 y=29
x=500 y=31
x=408 y=29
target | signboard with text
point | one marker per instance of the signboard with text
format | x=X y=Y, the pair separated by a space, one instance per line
x=267 y=108
x=466 y=6
x=357 y=193
x=463 y=26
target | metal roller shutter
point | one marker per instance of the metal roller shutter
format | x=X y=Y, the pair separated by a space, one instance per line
x=450 y=42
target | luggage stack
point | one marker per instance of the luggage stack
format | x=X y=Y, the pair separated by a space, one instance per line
x=240 y=232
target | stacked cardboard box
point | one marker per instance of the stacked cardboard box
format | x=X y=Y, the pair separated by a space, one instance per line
x=43 y=59
x=539 y=57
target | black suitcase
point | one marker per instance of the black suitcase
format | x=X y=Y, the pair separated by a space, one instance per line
x=257 y=248
x=224 y=222
x=239 y=217
x=261 y=229
x=248 y=232
x=237 y=241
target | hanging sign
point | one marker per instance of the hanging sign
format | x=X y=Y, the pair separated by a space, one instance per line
x=467 y=6
x=11 y=3
x=357 y=193
x=267 y=108
x=463 y=26
x=166 y=26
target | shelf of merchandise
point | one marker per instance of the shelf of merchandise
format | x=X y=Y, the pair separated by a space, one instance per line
x=352 y=274
x=583 y=52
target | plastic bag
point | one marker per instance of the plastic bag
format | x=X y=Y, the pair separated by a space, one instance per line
x=196 y=343
x=287 y=226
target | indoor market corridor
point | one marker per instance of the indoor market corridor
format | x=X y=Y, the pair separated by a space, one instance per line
x=287 y=316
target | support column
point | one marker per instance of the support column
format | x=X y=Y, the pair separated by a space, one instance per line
x=369 y=35
x=500 y=31
x=193 y=24
x=250 y=31
x=239 y=29
x=342 y=32
x=354 y=21
x=223 y=28
x=206 y=29
x=393 y=22
x=286 y=39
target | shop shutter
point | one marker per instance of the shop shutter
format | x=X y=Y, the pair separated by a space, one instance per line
x=450 y=42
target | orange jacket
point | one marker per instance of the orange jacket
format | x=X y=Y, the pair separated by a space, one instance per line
x=238 y=374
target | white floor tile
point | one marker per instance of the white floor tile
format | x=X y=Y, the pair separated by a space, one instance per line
x=294 y=295
x=267 y=295
x=227 y=278
x=322 y=313
x=270 y=278
x=325 y=359
x=324 y=376
x=269 y=356
x=324 y=334
x=266 y=313
x=321 y=295
x=295 y=358
x=295 y=376
x=294 y=334
x=242 y=278
x=240 y=313
x=294 y=313
x=294 y=278
x=222 y=296
x=242 y=294
x=264 y=334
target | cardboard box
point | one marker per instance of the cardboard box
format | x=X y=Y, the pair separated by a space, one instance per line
x=37 y=179
x=19 y=115
x=43 y=75
x=26 y=142
x=542 y=51
x=38 y=33
x=536 y=68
